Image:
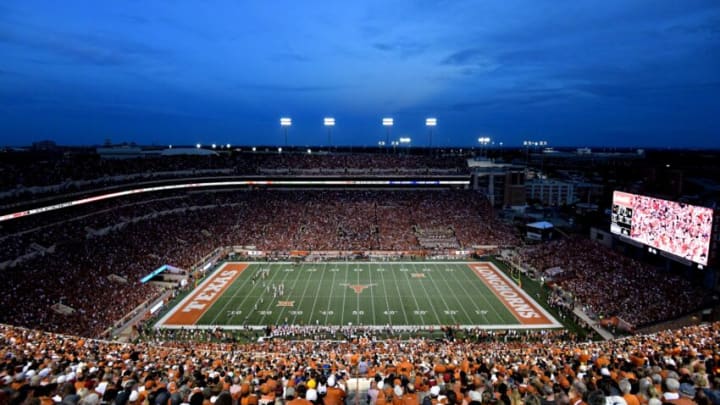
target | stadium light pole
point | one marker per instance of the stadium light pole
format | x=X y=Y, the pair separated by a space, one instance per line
x=431 y=123
x=405 y=141
x=484 y=141
x=387 y=123
x=329 y=122
x=285 y=123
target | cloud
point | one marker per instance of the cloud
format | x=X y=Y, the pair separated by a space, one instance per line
x=4 y=72
x=472 y=61
x=463 y=57
x=88 y=49
x=709 y=27
x=287 y=88
x=631 y=90
x=402 y=47
x=518 y=97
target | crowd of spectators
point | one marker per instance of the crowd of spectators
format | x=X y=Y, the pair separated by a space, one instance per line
x=609 y=284
x=75 y=253
x=680 y=367
x=31 y=176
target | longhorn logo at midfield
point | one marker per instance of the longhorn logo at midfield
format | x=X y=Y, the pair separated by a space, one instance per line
x=358 y=288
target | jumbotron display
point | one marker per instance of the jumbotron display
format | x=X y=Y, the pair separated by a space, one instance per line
x=680 y=229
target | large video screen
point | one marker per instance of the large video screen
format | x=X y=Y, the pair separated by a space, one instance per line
x=680 y=229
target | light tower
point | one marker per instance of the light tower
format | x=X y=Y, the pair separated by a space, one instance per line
x=431 y=123
x=329 y=122
x=484 y=141
x=387 y=123
x=285 y=123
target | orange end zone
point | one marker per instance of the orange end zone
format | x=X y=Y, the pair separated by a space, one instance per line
x=192 y=308
x=525 y=310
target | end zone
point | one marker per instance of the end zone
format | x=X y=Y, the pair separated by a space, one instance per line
x=189 y=311
x=527 y=312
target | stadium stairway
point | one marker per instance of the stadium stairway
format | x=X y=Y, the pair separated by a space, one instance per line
x=595 y=325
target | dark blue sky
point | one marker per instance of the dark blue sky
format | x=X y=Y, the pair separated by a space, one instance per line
x=616 y=72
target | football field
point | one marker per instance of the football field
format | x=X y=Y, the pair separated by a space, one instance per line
x=409 y=294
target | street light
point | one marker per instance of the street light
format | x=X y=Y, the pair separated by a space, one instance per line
x=329 y=122
x=285 y=123
x=388 y=123
x=431 y=123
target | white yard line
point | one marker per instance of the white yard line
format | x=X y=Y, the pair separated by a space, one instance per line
x=430 y=301
x=317 y=294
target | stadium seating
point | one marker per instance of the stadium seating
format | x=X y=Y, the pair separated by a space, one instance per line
x=667 y=367
x=609 y=284
x=131 y=237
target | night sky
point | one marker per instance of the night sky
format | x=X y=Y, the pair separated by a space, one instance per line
x=573 y=73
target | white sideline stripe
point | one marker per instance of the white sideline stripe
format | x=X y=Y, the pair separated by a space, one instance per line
x=395 y=328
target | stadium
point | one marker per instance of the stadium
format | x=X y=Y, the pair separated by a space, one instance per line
x=263 y=275
x=371 y=202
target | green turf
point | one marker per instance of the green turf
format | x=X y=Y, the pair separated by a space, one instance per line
x=449 y=294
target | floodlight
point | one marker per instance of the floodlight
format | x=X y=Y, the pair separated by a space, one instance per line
x=227 y=146
x=405 y=140
x=387 y=122
x=329 y=122
x=214 y=146
x=285 y=122
x=431 y=122
x=198 y=146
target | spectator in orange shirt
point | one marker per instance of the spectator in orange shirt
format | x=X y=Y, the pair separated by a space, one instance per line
x=334 y=395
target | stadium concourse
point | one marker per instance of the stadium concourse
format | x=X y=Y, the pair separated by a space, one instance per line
x=672 y=367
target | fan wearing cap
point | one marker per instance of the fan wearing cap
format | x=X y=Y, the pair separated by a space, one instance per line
x=334 y=395
x=410 y=397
